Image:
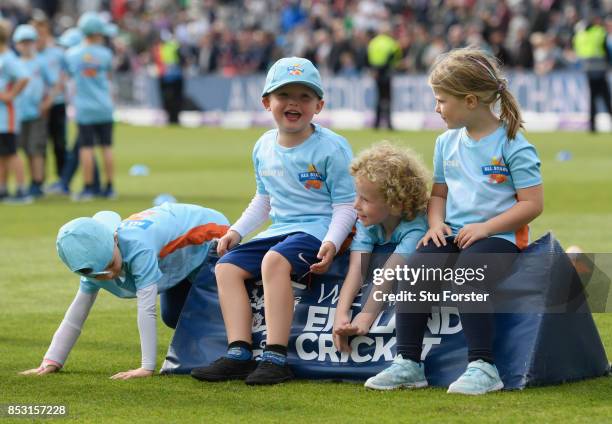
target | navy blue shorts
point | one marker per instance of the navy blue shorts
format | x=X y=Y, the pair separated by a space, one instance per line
x=300 y=249
x=96 y=134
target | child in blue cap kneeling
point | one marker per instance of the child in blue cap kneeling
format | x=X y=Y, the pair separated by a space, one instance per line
x=159 y=250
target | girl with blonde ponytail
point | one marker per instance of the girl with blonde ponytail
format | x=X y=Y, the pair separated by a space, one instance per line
x=486 y=189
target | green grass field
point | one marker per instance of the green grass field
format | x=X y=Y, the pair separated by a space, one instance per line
x=211 y=167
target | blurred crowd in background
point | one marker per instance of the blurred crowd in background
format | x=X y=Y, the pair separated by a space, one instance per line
x=243 y=37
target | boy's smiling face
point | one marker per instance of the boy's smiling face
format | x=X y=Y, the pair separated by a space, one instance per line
x=293 y=106
x=369 y=203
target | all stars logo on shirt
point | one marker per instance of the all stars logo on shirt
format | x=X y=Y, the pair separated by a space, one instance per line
x=312 y=178
x=90 y=66
x=498 y=172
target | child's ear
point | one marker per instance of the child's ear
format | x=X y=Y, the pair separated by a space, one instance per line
x=471 y=101
x=265 y=101
x=319 y=107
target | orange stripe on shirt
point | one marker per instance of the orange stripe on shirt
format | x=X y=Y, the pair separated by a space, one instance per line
x=196 y=235
x=522 y=237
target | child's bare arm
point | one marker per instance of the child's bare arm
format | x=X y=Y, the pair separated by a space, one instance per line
x=436 y=214
x=11 y=93
x=530 y=204
x=362 y=322
x=352 y=282
x=350 y=288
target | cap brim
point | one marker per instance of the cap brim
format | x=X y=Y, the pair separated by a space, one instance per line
x=92 y=274
x=308 y=84
x=110 y=219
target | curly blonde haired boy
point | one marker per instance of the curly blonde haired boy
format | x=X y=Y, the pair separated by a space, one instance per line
x=392 y=185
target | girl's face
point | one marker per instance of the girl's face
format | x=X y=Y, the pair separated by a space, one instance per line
x=453 y=110
x=293 y=107
x=114 y=267
x=369 y=203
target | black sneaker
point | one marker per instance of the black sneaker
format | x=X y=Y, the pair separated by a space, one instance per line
x=269 y=373
x=224 y=369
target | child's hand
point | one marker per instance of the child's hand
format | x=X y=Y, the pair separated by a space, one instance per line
x=137 y=373
x=326 y=254
x=358 y=327
x=436 y=234
x=47 y=367
x=340 y=341
x=229 y=240
x=471 y=233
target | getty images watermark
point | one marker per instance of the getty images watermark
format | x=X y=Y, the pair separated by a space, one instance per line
x=543 y=282
x=404 y=274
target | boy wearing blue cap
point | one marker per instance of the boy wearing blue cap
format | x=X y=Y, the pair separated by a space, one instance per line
x=304 y=186
x=13 y=79
x=31 y=103
x=89 y=64
x=159 y=250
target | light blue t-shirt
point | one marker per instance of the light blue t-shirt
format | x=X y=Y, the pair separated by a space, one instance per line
x=90 y=66
x=162 y=245
x=406 y=236
x=40 y=80
x=11 y=70
x=483 y=176
x=303 y=182
x=54 y=58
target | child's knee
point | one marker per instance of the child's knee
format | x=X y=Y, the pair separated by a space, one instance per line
x=274 y=263
x=226 y=270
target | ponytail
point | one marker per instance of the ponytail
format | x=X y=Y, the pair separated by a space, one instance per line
x=510 y=112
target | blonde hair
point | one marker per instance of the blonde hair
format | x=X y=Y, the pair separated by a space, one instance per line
x=5 y=31
x=472 y=71
x=400 y=175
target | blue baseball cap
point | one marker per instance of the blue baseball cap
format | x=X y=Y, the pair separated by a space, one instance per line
x=289 y=70
x=70 y=38
x=86 y=245
x=25 y=33
x=92 y=23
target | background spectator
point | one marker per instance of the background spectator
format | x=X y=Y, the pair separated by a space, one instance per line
x=245 y=36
